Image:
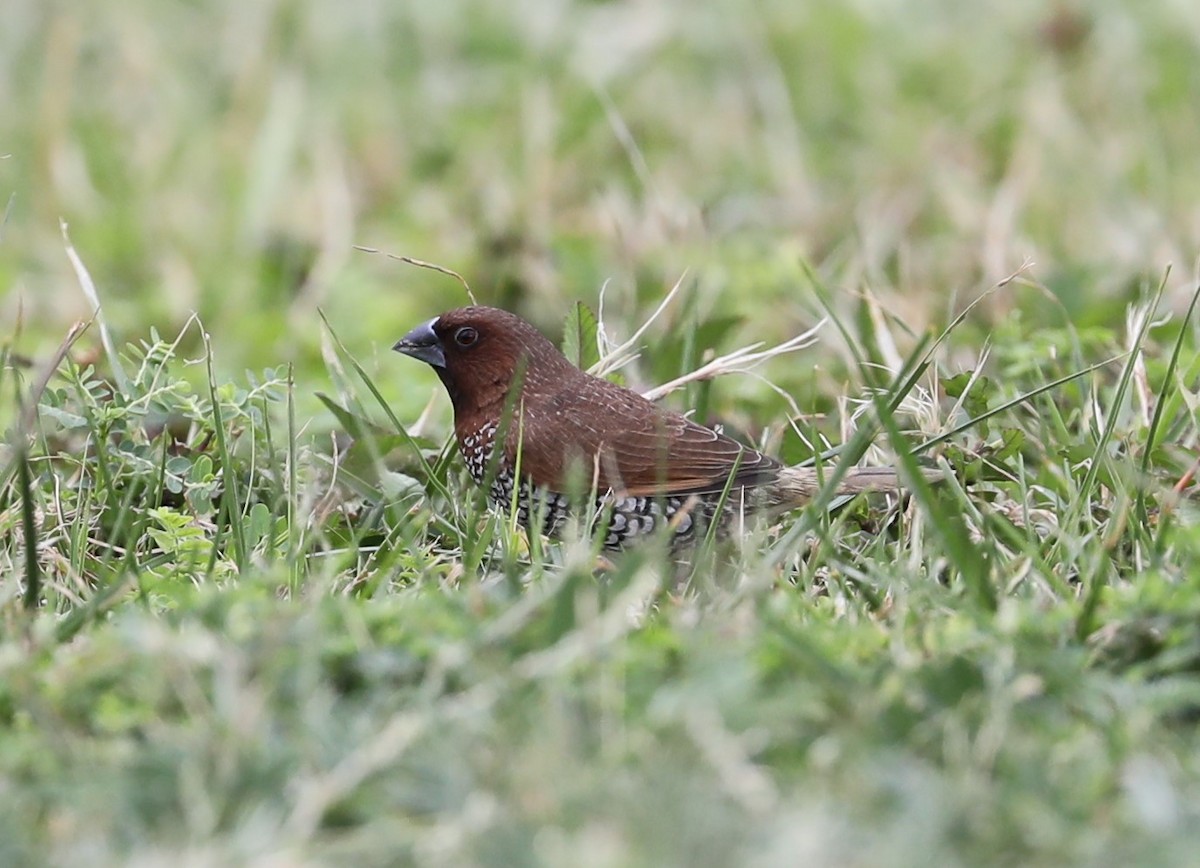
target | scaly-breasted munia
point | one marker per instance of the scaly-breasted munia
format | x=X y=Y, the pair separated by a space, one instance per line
x=569 y=431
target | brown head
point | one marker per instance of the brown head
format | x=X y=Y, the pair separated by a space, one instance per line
x=478 y=352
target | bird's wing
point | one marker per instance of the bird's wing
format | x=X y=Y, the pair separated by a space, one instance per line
x=618 y=440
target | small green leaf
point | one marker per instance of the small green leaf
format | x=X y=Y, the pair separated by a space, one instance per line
x=579 y=337
x=67 y=420
x=1010 y=444
x=975 y=402
x=259 y=524
x=957 y=384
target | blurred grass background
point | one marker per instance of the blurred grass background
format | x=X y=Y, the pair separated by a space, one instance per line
x=366 y=687
x=224 y=157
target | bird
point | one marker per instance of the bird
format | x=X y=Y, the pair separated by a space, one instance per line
x=540 y=433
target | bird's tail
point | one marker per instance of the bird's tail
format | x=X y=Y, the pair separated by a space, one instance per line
x=796 y=486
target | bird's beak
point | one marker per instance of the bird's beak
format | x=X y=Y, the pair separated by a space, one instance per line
x=422 y=343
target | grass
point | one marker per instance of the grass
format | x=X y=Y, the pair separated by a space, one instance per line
x=251 y=610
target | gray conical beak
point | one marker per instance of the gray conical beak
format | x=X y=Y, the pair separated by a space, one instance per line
x=422 y=343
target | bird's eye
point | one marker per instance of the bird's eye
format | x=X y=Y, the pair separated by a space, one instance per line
x=466 y=336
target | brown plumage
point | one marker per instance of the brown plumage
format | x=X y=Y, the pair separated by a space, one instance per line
x=568 y=431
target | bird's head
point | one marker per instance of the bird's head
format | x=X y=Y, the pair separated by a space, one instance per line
x=478 y=352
